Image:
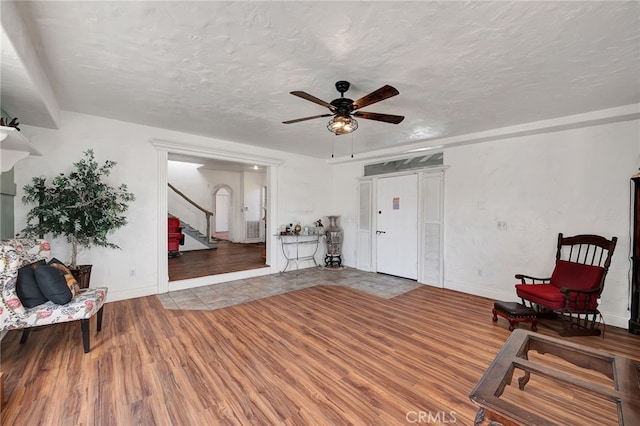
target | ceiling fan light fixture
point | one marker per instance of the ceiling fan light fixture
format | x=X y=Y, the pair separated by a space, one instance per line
x=341 y=125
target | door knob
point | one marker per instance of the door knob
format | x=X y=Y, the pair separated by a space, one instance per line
x=380 y=232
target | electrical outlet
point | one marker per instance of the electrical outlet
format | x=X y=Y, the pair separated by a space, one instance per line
x=502 y=226
x=132 y=272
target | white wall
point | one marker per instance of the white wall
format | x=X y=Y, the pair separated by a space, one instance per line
x=129 y=145
x=304 y=196
x=571 y=181
x=346 y=204
x=304 y=193
x=574 y=182
x=253 y=183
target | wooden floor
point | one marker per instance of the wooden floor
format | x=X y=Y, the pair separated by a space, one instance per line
x=222 y=235
x=321 y=355
x=228 y=257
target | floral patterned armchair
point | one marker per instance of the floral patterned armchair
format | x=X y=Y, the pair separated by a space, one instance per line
x=13 y=315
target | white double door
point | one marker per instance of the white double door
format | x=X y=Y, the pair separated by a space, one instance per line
x=397 y=226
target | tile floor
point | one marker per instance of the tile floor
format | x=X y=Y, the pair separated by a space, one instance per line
x=231 y=293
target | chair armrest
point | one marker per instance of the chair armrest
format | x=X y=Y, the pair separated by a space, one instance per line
x=566 y=290
x=583 y=299
x=531 y=280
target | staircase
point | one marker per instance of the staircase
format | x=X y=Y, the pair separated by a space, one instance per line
x=196 y=235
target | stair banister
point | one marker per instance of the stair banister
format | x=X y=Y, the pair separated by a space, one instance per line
x=208 y=214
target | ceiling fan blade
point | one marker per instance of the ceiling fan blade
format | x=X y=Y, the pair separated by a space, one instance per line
x=305 y=95
x=306 y=118
x=379 y=95
x=387 y=118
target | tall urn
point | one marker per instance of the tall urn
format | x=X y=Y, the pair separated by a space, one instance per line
x=334 y=236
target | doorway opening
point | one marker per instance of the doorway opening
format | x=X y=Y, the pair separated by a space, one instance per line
x=390 y=243
x=222 y=210
x=217 y=188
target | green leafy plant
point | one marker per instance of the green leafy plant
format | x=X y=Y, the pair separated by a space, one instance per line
x=79 y=206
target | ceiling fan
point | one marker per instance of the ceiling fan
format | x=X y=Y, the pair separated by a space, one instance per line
x=344 y=109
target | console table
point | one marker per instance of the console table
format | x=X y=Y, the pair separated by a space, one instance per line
x=624 y=393
x=292 y=245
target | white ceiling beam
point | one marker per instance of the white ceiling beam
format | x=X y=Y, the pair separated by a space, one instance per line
x=25 y=88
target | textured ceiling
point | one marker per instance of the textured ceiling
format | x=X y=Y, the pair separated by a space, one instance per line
x=225 y=69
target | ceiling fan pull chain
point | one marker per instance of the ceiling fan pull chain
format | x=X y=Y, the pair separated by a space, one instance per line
x=351 y=145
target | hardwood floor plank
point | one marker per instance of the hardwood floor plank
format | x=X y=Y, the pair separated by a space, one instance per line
x=227 y=257
x=319 y=355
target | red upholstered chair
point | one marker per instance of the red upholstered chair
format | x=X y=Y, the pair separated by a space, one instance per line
x=574 y=288
x=176 y=237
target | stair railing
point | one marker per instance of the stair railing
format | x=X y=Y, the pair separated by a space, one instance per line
x=207 y=213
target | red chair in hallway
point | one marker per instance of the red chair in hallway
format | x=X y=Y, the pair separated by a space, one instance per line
x=176 y=237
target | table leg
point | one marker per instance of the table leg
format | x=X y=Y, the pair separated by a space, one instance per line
x=482 y=416
x=522 y=381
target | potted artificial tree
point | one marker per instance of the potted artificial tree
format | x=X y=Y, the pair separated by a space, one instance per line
x=79 y=206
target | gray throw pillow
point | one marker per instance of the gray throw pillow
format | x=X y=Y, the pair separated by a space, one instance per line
x=27 y=288
x=53 y=284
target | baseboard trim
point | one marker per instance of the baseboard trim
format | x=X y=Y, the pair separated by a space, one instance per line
x=489 y=293
x=114 y=296
x=217 y=279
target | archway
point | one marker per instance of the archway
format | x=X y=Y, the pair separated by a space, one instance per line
x=222 y=208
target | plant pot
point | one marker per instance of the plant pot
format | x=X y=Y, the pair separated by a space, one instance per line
x=82 y=274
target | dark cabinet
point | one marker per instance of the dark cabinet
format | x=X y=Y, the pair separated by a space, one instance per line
x=634 y=322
